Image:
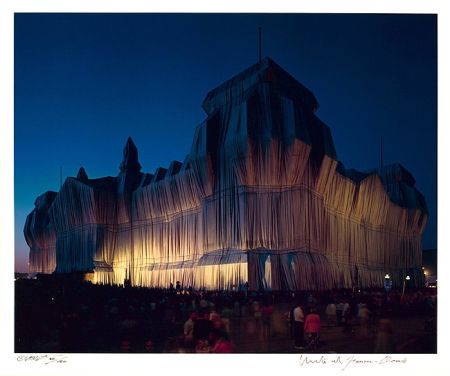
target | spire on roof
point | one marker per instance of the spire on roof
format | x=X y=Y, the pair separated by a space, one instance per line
x=82 y=175
x=130 y=157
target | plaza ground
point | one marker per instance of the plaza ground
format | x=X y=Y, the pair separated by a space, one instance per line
x=409 y=336
x=54 y=316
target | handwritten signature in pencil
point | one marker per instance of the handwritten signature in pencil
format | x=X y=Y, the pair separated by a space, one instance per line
x=46 y=359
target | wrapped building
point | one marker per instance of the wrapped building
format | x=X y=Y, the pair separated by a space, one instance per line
x=261 y=198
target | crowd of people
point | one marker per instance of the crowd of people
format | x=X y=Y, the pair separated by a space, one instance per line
x=55 y=316
x=67 y=316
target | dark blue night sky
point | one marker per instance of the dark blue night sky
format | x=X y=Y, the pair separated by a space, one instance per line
x=85 y=82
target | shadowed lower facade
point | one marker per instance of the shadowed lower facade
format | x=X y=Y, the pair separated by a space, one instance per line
x=261 y=197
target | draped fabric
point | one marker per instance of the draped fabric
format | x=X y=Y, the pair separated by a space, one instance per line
x=261 y=197
x=40 y=236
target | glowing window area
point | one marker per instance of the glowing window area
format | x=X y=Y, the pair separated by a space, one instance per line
x=226 y=276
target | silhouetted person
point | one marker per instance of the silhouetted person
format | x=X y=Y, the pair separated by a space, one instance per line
x=202 y=327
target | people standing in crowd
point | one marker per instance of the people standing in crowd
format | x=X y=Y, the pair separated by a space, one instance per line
x=266 y=317
x=237 y=307
x=149 y=346
x=346 y=318
x=364 y=319
x=225 y=318
x=298 y=324
x=330 y=311
x=188 y=328
x=214 y=315
x=94 y=318
x=257 y=314
x=339 y=310
x=202 y=327
x=312 y=327
x=289 y=315
x=203 y=306
x=219 y=343
x=384 y=342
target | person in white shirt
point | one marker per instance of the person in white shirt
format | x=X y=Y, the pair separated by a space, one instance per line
x=299 y=320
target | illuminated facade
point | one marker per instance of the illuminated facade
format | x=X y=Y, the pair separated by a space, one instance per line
x=261 y=197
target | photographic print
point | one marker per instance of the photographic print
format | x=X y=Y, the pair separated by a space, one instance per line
x=225 y=183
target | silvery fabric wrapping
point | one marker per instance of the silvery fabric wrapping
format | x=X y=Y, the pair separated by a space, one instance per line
x=261 y=197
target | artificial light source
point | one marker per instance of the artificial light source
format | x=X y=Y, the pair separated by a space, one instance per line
x=387 y=282
x=407 y=278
